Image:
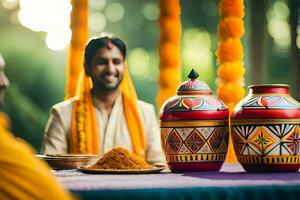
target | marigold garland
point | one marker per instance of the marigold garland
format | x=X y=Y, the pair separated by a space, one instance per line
x=231 y=27
x=80 y=125
x=169 y=49
x=230 y=50
x=230 y=56
x=231 y=71
x=78 y=25
x=231 y=8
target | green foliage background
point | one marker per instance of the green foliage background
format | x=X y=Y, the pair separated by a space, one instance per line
x=37 y=74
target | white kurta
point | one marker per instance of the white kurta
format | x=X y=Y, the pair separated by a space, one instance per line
x=112 y=129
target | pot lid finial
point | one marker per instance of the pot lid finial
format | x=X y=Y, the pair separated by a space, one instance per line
x=193 y=74
x=193 y=86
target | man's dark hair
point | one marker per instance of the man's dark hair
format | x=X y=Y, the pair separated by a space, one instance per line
x=97 y=43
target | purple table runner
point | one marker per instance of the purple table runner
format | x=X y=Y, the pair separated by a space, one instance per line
x=231 y=175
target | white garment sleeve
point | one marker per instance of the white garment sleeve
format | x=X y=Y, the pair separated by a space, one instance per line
x=154 y=152
x=55 y=137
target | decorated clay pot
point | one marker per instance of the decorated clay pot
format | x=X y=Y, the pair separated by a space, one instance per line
x=265 y=128
x=194 y=128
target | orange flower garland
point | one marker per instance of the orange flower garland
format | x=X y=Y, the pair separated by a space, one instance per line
x=79 y=27
x=230 y=56
x=169 y=49
x=79 y=21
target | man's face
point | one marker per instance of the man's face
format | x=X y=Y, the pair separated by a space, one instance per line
x=4 y=83
x=107 y=69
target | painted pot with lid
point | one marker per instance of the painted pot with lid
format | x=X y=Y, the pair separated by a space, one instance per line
x=265 y=129
x=194 y=128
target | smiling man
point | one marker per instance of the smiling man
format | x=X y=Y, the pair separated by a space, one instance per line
x=108 y=115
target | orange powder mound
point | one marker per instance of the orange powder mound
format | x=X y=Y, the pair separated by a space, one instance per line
x=120 y=158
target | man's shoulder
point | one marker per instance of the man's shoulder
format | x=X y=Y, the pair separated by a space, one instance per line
x=65 y=105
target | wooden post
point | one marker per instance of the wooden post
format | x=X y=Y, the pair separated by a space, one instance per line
x=257 y=41
x=295 y=68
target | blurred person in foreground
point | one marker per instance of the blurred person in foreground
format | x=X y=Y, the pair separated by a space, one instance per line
x=22 y=176
x=106 y=112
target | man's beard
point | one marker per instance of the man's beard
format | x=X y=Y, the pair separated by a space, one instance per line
x=106 y=87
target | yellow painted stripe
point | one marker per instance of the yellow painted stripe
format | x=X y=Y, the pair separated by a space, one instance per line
x=284 y=159
x=193 y=123
x=196 y=157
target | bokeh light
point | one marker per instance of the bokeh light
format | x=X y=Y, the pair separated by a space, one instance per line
x=281 y=10
x=97 y=4
x=50 y=16
x=97 y=22
x=197 y=53
x=10 y=4
x=151 y=11
x=14 y=19
x=114 y=12
x=278 y=25
x=298 y=37
x=138 y=61
x=280 y=31
x=58 y=40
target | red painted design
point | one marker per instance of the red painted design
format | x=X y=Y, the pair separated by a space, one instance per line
x=276 y=89
x=191 y=103
x=239 y=143
x=171 y=103
x=270 y=102
x=195 y=166
x=215 y=140
x=174 y=143
x=186 y=115
x=194 y=141
x=240 y=147
x=266 y=114
x=264 y=101
x=294 y=144
x=194 y=85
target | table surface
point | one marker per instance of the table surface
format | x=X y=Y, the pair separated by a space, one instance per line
x=230 y=176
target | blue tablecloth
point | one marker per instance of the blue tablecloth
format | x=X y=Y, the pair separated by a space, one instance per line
x=231 y=183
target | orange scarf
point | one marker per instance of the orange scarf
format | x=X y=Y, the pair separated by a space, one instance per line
x=22 y=175
x=84 y=131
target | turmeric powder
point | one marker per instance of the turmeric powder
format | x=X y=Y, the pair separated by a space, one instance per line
x=120 y=158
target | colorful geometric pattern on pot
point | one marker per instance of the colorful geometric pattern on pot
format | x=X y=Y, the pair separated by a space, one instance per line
x=192 y=103
x=194 y=85
x=194 y=140
x=266 y=139
x=270 y=102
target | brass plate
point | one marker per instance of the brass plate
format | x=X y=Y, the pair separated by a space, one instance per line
x=69 y=161
x=153 y=170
